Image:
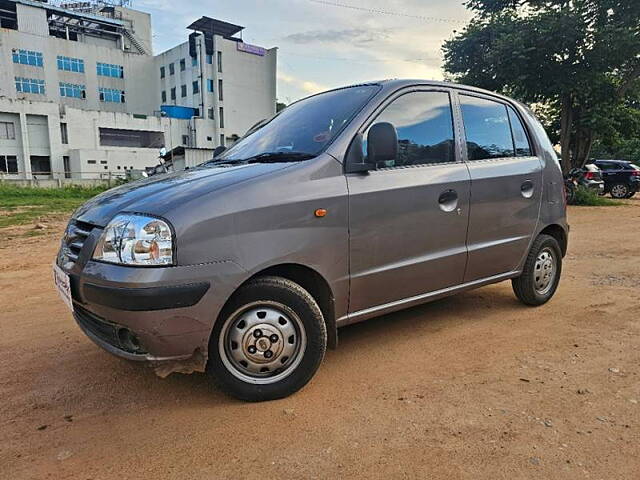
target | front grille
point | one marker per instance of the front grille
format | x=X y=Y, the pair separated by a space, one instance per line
x=103 y=330
x=74 y=238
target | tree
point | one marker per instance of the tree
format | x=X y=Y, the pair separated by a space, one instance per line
x=580 y=58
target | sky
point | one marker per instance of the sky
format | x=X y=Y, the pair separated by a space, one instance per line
x=324 y=44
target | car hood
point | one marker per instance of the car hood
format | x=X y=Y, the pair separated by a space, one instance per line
x=158 y=194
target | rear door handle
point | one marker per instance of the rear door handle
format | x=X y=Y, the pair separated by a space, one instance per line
x=448 y=200
x=526 y=189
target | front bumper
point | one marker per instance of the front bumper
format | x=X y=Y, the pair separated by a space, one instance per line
x=152 y=314
x=596 y=186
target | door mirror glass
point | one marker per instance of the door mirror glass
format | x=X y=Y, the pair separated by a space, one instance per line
x=382 y=143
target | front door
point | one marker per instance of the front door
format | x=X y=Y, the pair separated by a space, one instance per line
x=408 y=219
x=506 y=186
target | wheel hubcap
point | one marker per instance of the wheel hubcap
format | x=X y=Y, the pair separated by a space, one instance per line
x=619 y=191
x=262 y=342
x=544 y=271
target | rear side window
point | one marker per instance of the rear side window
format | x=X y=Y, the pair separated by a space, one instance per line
x=606 y=166
x=486 y=124
x=520 y=140
x=424 y=123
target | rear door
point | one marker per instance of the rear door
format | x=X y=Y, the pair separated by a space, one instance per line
x=506 y=186
x=408 y=219
x=609 y=172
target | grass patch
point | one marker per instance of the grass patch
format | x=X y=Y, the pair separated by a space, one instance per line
x=23 y=205
x=588 y=198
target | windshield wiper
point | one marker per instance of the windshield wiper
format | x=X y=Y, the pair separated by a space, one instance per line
x=273 y=157
x=266 y=157
x=222 y=161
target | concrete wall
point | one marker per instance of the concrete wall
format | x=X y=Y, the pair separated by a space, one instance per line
x=248 y=87
x=139 y=97
x=38 y=132
x=249 y=95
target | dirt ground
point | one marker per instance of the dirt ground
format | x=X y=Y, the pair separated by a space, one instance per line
x=473 y=386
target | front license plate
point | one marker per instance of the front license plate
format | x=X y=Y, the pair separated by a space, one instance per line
x=63 y=285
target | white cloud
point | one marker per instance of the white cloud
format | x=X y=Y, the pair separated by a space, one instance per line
x=306 y=86
x=321 y=46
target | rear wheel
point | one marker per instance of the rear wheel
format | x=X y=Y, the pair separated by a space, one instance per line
x=620 y=190
x=268 y=342
x=541 y=273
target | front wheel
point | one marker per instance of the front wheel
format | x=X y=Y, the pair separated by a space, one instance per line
x=541 y=273
x=268 y=342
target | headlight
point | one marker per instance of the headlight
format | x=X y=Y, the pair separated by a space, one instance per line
x=135 y=240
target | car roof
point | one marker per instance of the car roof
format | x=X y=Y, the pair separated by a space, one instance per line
x=397 y=83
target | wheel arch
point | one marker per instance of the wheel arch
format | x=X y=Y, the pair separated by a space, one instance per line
x=314 y=283
x=559 y=233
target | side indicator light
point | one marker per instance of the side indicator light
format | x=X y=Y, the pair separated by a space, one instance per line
x=320 y=212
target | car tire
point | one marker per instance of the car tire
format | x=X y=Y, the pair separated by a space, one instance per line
x=619 y=190
x=541 y=273
x=268 y=341
x=630 y=194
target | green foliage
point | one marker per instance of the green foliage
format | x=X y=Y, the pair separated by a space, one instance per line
x=588 y=198
x=23 y=205
x=579 y=59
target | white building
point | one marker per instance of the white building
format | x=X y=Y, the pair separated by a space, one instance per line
x=82 y=96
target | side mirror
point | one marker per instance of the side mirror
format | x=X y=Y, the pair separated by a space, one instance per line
x=218 y=150
x=382 y=143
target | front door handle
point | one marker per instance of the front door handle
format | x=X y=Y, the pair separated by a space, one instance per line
x=448 y=200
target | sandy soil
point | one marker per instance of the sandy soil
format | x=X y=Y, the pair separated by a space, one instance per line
x=474 y=386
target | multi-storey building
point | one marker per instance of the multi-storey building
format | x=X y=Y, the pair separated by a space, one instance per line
x=82 y=96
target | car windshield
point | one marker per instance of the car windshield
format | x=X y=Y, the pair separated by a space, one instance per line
x=303 y=129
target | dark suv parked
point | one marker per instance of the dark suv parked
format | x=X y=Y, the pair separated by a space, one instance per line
x=621 y=178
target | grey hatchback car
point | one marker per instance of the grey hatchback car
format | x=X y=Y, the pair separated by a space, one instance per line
x=346 y=205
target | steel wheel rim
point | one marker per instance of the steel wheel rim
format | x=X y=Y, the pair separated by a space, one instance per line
x=544 y=271
x=262 y=342
x=619 y=191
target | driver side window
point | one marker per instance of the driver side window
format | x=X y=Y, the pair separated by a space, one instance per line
x=424 y=123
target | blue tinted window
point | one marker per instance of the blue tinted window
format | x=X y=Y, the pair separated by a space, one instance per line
x=209 y=85
x=520 y=140
x=109 y=70
x=112 y=95
x=424 y=123
x=70 y=64
x=30 y=85
x=209 y=59
x=72 y=90
x=28 y=57
x=487 y=128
